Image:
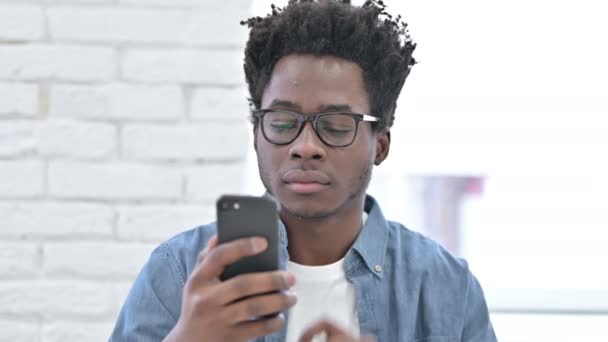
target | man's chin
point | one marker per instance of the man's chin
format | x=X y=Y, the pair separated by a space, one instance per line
x=309 y=215
x=308 y=211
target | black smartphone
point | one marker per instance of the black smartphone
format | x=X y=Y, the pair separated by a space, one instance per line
x=248 y=216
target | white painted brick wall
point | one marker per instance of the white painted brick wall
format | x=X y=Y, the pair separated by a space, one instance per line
x=55 y=220
x=18 y=331
x=57 y=298
x=18 y=99
x=21 y=179
x=75 y=332
x=117 y=102
x=121 y=181
x=21 y=22
x=77 y=140
x=183 y=142
x=17 y=137
x=220 y=104
x=111 y=141
x=158 y=25
x=57 y=62
x=184 y=66
x=103 y=261
x=156 y=222
x=18 y=260
x=201 y=182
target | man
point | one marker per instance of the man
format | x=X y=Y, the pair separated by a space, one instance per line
x=324 y=78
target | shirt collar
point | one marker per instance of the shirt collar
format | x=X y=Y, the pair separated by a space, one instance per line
x=372 y=241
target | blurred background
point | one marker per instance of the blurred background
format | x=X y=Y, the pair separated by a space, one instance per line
x=121 y=121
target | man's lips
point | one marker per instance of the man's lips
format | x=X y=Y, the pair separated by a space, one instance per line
x=305 y=182
x=301 y=176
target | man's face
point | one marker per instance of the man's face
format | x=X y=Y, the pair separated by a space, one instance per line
x=309 y=178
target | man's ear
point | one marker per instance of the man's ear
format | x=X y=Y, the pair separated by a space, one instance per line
x=383 y=144
x=255 y=138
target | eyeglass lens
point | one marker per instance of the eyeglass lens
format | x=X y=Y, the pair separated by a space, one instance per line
x=334 y=129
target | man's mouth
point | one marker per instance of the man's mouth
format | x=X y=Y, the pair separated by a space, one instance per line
x=305 y=182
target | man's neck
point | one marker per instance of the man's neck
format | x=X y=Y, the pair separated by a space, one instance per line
x=326 y=240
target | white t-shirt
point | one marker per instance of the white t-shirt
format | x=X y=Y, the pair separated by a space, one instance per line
x=323 y=292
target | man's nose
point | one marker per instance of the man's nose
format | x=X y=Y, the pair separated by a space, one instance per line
x=307 y=145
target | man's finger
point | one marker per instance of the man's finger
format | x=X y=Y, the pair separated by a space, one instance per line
x=319 y=327
x=258 y=306
x=225 y=254
x=255 y=283
x=211 y=244
x=258 y=328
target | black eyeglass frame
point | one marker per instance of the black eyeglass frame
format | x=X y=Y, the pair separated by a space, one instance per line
x=313 y=118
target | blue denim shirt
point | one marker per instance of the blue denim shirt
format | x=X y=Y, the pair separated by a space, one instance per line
x=408 y=288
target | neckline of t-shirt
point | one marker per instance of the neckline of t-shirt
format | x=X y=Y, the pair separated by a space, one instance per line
x=320 y=273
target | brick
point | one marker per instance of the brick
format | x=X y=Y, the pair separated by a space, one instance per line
x=87 y=2
x=128 y=24
x=158 y=223
x=220 y=104
x=18 y=331
x=205 y=24
x=55 y=220
x=55 y=299
x=17 y=138
x=21 y=22
x=97 y=260
x=19 y=179
x=117 y=101
x=114 y=181
x=74 y=139
x=212 y=141
x=18 y=99
x=148 y=25
x=244 y=5
x=18 y=259
x=207 y=183
x=71 y=331
x=63 y=62
x=184 y=66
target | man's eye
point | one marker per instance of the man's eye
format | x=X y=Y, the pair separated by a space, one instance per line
x=282 y=126
x=337 y=131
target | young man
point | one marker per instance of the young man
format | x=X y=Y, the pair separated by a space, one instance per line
x=324 y=78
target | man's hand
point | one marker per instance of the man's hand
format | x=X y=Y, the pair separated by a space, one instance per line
x=333 y=333
x=213 y=310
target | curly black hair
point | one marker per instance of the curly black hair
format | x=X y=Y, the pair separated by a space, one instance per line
x=366 y=35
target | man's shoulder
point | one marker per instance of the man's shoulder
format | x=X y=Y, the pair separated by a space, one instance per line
x=183 y=248
x=423 y=255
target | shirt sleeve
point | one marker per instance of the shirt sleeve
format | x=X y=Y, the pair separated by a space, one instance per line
x=477 y=326
x=153 y=304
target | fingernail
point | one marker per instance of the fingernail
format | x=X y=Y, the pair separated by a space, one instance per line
x=292 y=298
x=290 y=279
x=258 y=244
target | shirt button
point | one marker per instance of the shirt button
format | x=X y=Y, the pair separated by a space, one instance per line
x=378 y=268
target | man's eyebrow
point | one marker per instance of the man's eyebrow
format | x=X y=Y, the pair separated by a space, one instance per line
x=334 y=108
x=322 y=108
x=284 y=104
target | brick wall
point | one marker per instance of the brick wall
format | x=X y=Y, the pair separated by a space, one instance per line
x=120 y=123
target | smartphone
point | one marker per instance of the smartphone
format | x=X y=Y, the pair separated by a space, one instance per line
x=248 y=216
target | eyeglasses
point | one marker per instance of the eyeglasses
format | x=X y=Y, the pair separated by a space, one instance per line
x=337 y=129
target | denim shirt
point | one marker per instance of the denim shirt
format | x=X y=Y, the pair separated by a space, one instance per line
x=408 y=288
